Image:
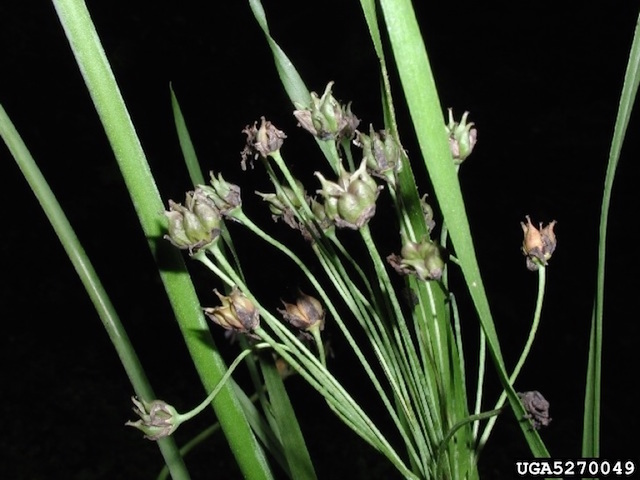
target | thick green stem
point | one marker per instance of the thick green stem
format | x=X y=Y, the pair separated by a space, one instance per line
x=104 y=91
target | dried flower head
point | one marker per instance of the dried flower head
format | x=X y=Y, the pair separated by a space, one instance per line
x=226 y=196
x=306 y=314
x=261 y=141
x=537 y=408
x=538 y=244
x=237 y=313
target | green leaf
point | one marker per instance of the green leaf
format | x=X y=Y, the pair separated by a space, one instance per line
x=188 y=151
x=426 y=112
x=290 y=78
x=100 y=82
x=591 y=425
x=90 y=280
x=295 y=448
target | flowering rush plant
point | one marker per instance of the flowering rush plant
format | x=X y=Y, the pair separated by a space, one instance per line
x=394 y=308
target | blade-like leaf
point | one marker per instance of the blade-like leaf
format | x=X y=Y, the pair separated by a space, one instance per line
x=289 y=77
x=422 y=98
x=295 y=448
x=89 y=278
x=591 y=426
x=186 y=145
x=104 y=91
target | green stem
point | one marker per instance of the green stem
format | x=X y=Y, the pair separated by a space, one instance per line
x=201 y=256
x=342 y=403
x=345 y=143
x=482 y=357
x=416 y=377
x=104 y=91
x=346 y=293
x=90 y=280
x=310 y=368
x=205 y=403
x=492 y=414
x=523 y=356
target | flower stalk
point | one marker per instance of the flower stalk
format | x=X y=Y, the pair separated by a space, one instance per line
x=158 y=419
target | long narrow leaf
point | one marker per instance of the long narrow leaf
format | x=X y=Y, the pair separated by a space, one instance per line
x=89 y=278
x=428 y=293
x=186 y=145
x=110 y=106
x=295 y=448
x=289 y=76
x=422 y=98
x=591 y=427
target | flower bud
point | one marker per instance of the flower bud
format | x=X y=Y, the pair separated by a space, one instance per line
x=204 y=209
x=194 y=226
x=538 y=244
x=462 y=137
x=382 y=153
x=279 y=202
x=357 y=205
x=306 y=314
x=425 y=259
x=351 y=201
x=286 y=205
x=225 y=195
x=157 y=420
x=320 y=215
x=326 y=118
x=237 y=313
x=261 y=141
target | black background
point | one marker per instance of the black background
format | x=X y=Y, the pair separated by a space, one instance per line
x=542 y=83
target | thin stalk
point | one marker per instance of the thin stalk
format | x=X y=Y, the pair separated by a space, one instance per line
x=205 y=403
x=482 y=354
x=416 y=380
x=523 y=356
x=328 y=258
x=311 y=369
x=472 y=418
x=247 y=222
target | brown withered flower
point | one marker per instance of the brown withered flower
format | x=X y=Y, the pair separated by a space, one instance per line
x=261 y=141
x=538 y=244
x=237 y=313
x=306 y=314
x=226 y=196
x=537 y=408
